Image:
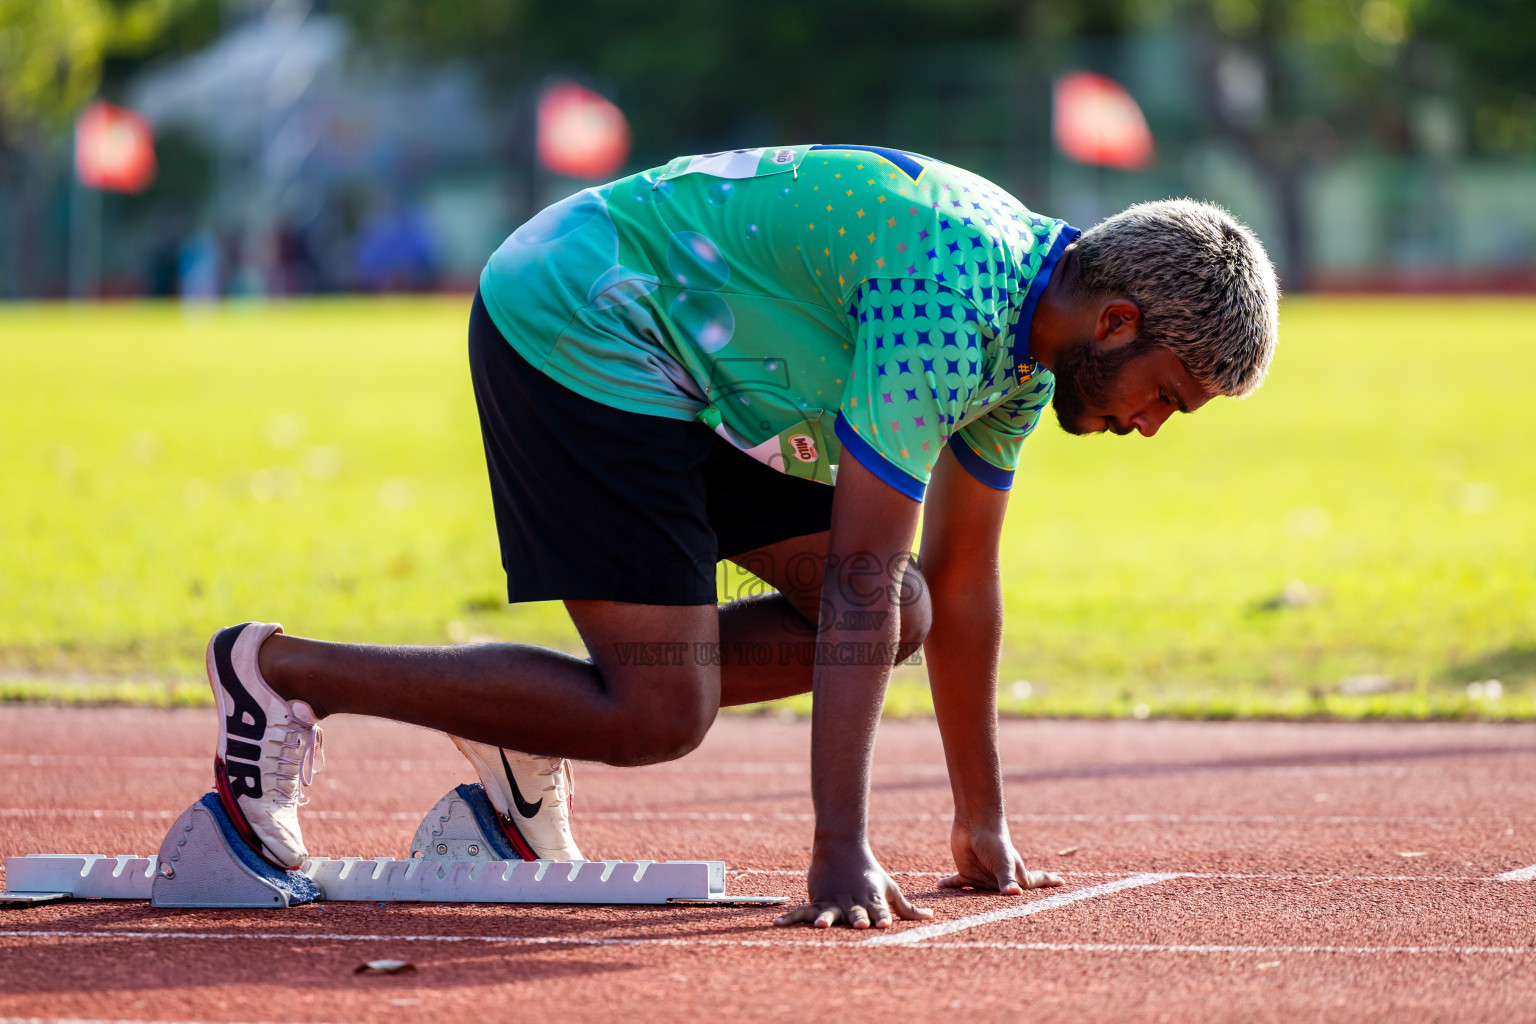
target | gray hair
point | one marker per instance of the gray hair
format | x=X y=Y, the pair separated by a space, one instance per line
x=1206 y=288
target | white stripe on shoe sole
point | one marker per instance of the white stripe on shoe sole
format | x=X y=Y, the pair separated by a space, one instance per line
x=910 y=935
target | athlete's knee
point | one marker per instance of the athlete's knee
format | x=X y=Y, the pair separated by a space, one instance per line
x=662 y=739
x=915 y=609
x=667 y=722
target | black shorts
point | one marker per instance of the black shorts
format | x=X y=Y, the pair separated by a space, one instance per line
x=595 y=503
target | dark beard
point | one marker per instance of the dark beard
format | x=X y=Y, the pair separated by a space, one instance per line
x=1086 y=376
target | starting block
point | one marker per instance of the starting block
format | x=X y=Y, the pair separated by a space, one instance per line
x=462 y=826
x=458 y=855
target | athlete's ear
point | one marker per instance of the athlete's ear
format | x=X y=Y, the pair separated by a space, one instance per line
x=1118 y=321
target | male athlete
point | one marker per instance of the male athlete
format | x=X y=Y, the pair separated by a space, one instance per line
x=778 y=357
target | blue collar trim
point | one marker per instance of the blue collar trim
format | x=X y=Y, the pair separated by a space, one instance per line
x=1023 y=365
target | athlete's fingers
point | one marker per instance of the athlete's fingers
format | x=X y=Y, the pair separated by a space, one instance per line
x=858 y=917
x=882 y=915
x=827 y=918
x=954 y=882
x=803 y=914
x=1042 y=880
x=1006 y=883
x=905 y=910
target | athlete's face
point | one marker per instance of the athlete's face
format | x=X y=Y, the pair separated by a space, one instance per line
x=1121 y=389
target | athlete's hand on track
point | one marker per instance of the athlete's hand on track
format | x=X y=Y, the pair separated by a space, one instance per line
x=850 y=887
x=986 y=859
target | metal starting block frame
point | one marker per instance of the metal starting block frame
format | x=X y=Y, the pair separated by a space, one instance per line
x=458 y=855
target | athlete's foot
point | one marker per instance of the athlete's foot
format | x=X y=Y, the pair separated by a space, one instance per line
x=269 y=747
x=532 y=797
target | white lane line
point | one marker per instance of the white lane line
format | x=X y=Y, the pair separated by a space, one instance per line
x=94 y=1020
x=1522 y=875
x=1252 y=819
x=826 y=944
x=704 y=769
x=510 y=940
x=201 y=763
x=1219 y=875
x=750 y=816
x=1070 y=819
x=163 y=815
x=1114 y=947
x=910 y=935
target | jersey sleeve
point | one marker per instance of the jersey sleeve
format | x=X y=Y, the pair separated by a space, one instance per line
x=919 y=360
x=988 y=446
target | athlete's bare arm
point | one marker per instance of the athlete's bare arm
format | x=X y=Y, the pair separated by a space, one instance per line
x=872 y=526
x=962 y=528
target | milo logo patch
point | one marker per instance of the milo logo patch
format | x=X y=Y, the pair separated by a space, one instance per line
x=803 y=450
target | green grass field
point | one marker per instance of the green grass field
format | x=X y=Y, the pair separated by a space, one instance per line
x=1367 y=521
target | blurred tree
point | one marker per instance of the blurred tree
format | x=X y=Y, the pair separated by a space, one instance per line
x=55 y=55
x=1242 y=74
x=1494 y=42
x=1283 y=81
x=52 y=52
x=699 y=72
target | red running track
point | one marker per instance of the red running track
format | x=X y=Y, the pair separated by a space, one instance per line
x=1245 y=872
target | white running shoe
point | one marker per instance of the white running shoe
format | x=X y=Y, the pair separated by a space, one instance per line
x=539 y=829
x=267 y=747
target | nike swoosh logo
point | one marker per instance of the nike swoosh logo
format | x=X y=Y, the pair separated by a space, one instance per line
x=524 y=808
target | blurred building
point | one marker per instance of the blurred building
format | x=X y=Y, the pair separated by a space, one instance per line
x=295 y=160
x=331 y=171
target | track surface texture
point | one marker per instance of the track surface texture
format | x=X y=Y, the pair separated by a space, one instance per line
x=1243 y=871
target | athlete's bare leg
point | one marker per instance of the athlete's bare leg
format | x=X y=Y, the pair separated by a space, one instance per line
x=783 y=624
x=608 y=707
x=524 y=697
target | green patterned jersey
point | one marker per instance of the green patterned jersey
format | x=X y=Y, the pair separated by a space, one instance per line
x=799 y=301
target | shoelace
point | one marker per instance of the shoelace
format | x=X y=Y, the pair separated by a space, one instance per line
x=559 y=772
x=311 y=759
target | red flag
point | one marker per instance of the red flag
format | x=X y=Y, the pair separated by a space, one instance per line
x=581 y=134
x=114 y=149
x=1097 y=122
